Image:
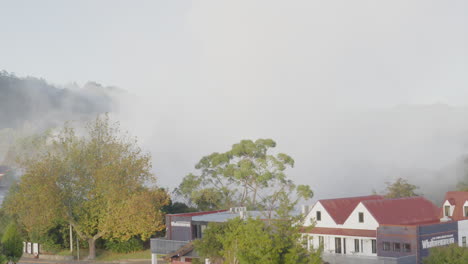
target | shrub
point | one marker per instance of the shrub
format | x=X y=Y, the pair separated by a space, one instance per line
x=12 y=243
x=3 y=259
x=131 y=245
x=54 y=239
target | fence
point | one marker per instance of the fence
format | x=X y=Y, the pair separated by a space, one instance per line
x=163 y=246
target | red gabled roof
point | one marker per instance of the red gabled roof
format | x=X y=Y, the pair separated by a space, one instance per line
x=402 y=211
x=197 y=213
x=457 y=199
x=343 y=232
x=339 y=209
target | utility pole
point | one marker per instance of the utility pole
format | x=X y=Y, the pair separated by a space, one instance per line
x=77 y=248
x=71 y=239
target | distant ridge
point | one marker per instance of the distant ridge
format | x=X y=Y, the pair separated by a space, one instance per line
x=35 y=101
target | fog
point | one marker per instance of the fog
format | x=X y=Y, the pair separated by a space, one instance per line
x=337 y=153
x=357 y=92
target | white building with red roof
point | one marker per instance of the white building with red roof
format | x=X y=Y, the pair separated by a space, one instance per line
x=455 y=208
x=349 y=225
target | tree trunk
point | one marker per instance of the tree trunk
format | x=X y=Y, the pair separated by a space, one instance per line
x=92 y=248
x=254 y=200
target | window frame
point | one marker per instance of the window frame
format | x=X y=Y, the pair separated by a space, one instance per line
x=338 y=247
x=396 y=246
x=361 y=217
x=447 y=210
x=374 y=246
x=406 y=247
x=318 y=216
x=386 y=246
x=356 y=245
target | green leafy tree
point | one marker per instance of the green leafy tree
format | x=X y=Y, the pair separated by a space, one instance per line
x=12 y=244
x=400 y=188
x=242 y=176
x=277 y=239
x=177 y=208
x=98 y=183
x=452 y=254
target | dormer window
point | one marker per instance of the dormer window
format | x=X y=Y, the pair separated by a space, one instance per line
x=361 y=217
x=465 y=211
x=318 y=215
x=447 y=210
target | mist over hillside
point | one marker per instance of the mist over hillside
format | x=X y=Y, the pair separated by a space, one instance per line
x=34 y=100
x=338 y=152
x=30 y=105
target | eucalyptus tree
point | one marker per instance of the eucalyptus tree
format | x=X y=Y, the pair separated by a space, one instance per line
x=100 y=183
x=270 y=239
x=245 y=175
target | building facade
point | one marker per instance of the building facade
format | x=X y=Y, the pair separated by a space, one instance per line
x=370 y=229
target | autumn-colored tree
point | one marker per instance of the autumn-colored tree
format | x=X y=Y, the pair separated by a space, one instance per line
x=98 y=183
x=245 y=175
x=400 y=188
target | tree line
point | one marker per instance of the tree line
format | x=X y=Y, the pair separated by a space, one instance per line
x=100 y=182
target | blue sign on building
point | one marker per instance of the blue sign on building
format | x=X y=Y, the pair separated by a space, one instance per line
x=436 y=235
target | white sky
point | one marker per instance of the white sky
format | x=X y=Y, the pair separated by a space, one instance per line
x=214 y=72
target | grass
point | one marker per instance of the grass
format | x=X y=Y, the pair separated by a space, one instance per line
x=106 y=255
x=64 y=253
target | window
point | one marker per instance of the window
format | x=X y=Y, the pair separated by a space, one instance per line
x=464 y=241
x=374 y=246
x=344 y=245
x=447 y=210
x=318 y=216
x=337 y=245
x=396 y=247
x=196 y=231
x=407 y=247
x=361 y=217
x=356 y=245
x=466 y=211
x=321 y=241
x=386 y=246
x=203 y=227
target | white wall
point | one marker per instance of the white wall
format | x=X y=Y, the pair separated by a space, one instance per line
x=365 y=247
x=462 y=231
x=351 y=223
x=353 y=220
x=326 y=220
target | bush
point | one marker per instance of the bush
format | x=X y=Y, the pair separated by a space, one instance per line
x=3 y=259
x=12 y=243
x=54 y=239
x=131 y=245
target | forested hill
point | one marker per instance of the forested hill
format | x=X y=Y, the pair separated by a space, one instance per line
x=34 y=101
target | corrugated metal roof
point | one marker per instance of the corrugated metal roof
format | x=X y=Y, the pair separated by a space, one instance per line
x=402 y=211
x=197 y=213
x=227 y=215
x=340 y=208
